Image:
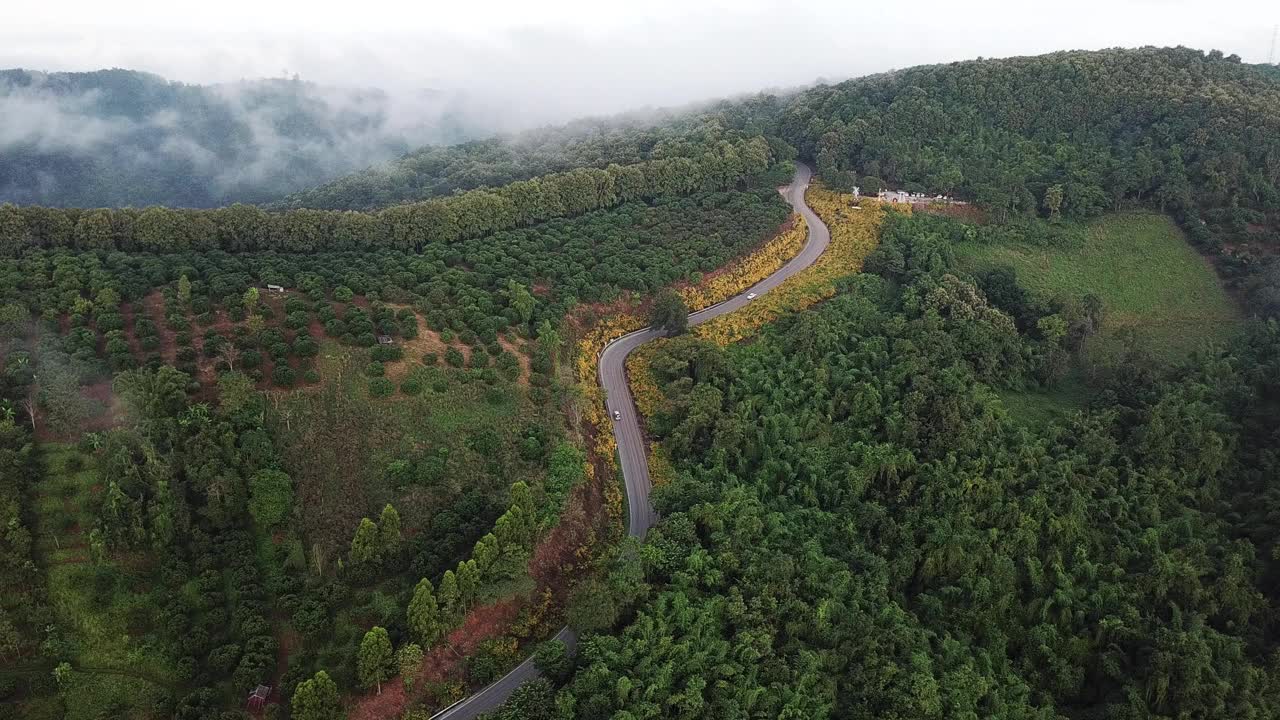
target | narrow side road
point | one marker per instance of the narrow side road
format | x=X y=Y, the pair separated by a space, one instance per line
x=631 y=450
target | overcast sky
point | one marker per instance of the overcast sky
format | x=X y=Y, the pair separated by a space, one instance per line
x=563 y=58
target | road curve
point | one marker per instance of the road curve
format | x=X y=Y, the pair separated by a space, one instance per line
x=631 y=448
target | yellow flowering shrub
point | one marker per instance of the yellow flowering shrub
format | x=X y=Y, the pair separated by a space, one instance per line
x=644 y=389
x=854 y=234
x=661 y=471
x=596 y=414
x=722 y=285
x=749 y=270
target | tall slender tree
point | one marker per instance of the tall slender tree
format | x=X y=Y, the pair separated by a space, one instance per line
x=375 y=663
x=424 y=614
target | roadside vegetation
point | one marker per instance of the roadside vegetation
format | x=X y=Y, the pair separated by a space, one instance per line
x=260 y=456
x=853 y=472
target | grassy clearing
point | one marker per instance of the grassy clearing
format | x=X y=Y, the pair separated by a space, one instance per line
x=341 y=443
x=1154 y=285
x=97 y=608
x=1038 y=408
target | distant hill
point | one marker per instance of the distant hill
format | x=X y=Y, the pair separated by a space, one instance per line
x=1271 y=71
x=435 y=171
x=120 y=137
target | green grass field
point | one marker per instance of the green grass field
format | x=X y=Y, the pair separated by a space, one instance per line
x=1158 y=293
x=1152 y=282
x=339 y=442
x=1040 y=407
x=96 y=604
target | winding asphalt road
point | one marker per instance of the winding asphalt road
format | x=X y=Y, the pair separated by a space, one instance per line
x=631 y=449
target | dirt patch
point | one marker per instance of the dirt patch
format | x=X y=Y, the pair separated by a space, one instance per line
x=428 y=341
x=964 y=213
x=100 y=391
x=222 y=323
x=268 y=364
x=204 y=365
x=443 y=662
x=275 y=301
x=115 y=411
x=130 y=335
x=154 y=304
x=316 y=329
x=207 y=367
x=521 y=356
x=390 y=704
x=482 y=623
x=287 y=640
x=582 y=318
x=110 y=413
x=559 y=555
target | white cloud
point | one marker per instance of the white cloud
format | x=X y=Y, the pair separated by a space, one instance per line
x=553 y=60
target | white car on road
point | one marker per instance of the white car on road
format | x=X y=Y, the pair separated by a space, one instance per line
x=751 y=296
x=617 y=414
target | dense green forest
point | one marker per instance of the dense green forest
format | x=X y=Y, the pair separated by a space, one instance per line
x=858 y=529
x=1073 y=134
x=1271 y=71
x=724 y=162
x=120 y=137
x=207 y=536
x=377 y=469
x=1070 y=134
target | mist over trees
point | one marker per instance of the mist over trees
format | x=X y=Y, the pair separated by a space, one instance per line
x=436 y=171
x=723 y=163
x=1067 y=135
x=119 y=137
x=854 y=522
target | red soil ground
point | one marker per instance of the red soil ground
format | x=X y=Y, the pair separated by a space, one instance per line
x=130 y=334
x=154 y=304
x=442 y=663
x=555 y=560
x=111 y=414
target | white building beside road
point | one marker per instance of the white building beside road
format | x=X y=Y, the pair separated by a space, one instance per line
x=908 y=198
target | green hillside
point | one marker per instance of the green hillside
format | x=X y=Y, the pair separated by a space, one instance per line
x=1152 y=283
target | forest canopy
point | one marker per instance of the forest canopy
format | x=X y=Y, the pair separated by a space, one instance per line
x=472 y=214
x=857 y=528
x=324 y=442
